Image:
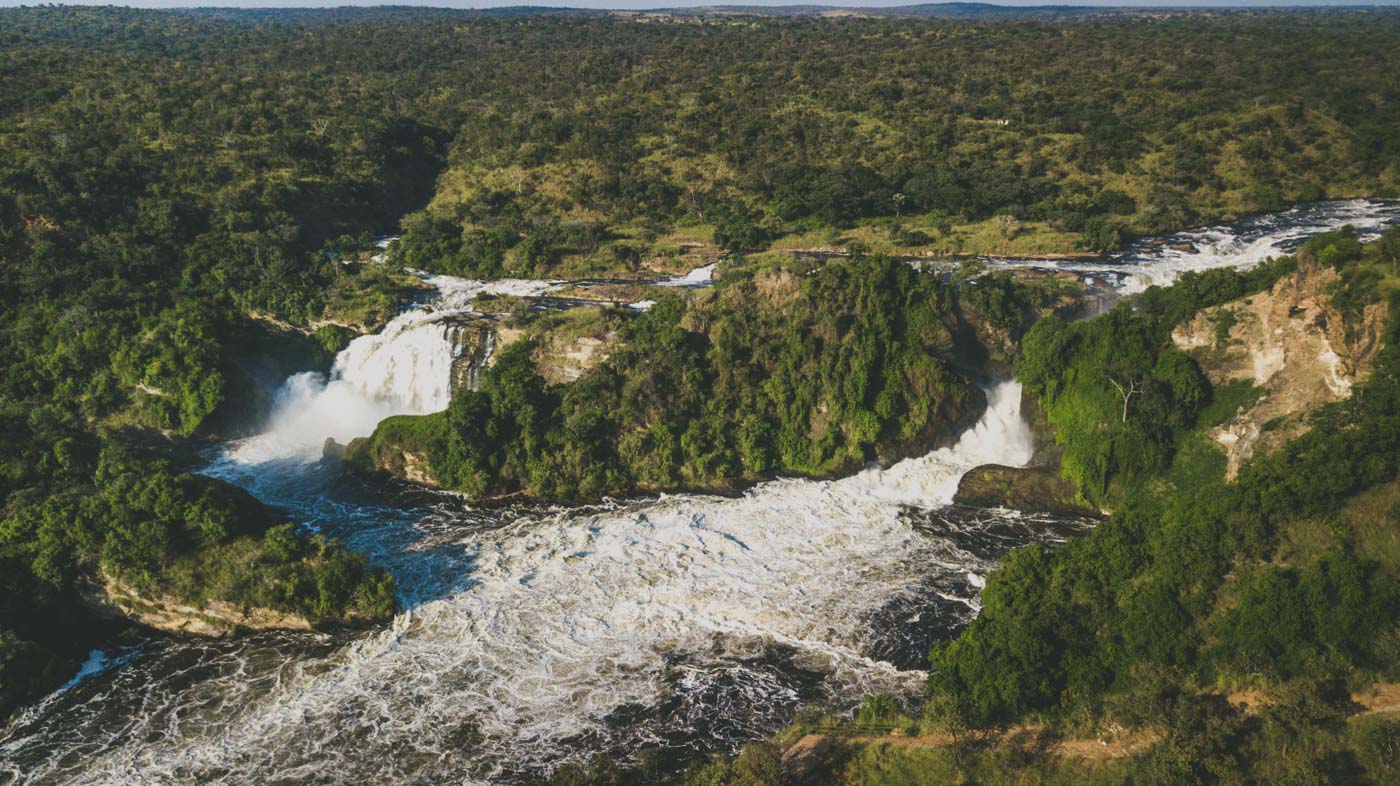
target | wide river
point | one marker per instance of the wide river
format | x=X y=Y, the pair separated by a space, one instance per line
x=533 y=635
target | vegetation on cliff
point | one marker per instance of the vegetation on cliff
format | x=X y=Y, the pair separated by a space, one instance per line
x=1196 y=585
x=170 y=180
x=1116 y=391
x=786 y=367
x=106 y=513
x=145 y=241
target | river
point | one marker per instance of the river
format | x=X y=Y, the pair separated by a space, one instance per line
x=533 y=635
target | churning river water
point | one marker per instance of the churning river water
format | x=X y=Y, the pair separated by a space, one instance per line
x=532 y=635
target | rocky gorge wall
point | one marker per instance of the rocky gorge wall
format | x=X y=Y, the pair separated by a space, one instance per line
x=1293 y=345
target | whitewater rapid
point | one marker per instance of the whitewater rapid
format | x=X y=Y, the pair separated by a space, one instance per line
x=1239 y=244
x=534 y=635
x=680 y=613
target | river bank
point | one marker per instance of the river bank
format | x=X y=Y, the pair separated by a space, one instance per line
x=532 y=635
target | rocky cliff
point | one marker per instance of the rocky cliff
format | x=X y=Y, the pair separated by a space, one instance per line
x=1293 y=345
x=114 y=599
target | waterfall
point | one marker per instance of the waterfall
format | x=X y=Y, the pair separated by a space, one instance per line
x=483 y=358
x=1001 y=436
x=698 y=278
x=405 y=369
x=473 y=355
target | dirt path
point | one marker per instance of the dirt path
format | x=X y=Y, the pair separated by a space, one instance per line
x=1380 y=698
x=803 y=756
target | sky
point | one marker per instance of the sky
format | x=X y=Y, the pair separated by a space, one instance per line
x=642 y=4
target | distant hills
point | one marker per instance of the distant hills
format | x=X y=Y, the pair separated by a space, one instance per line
x=956 y=10
x=947 y=10
x=927 y=10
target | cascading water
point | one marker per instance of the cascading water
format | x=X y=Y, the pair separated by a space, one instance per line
x=485 y=349
x=405 y=369
x=534 y=635
x=699 y=277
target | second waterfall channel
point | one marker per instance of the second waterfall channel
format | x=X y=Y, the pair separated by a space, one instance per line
x=532 y=635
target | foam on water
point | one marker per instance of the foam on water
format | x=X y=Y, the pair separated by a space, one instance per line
x=565 y=622
x=699 y=277
x=405 y=369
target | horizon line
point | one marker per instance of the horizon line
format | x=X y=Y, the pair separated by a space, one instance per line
x=755 y=6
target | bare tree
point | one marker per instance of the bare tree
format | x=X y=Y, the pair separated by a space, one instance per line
x=1127 y=392
x=694 y=194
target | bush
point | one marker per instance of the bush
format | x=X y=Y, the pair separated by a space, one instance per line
x=740 y=229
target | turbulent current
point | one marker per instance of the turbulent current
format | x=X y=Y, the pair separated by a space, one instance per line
x=534 y=635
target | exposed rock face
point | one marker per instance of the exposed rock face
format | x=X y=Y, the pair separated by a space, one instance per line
x=415 y=469
x=562 y=359
x=1036 y=488
x=559 y=358
x=1293 y=345
x=215 y=619
x=475 y=341
x=383 y=456
x=1029 y=489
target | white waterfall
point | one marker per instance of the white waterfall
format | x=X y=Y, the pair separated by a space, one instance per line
x=405 y=369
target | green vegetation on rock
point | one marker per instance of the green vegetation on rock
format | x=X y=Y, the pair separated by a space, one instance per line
x=1207 y=631
x=174 y=183
x=793 y=367
x=1115 y=389
x=108 y=514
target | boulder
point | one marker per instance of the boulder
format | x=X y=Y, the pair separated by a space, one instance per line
x=1037 y=489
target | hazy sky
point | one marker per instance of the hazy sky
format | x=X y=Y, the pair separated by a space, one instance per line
x=634 y=4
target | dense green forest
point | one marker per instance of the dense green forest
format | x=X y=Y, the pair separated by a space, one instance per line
x=179 y=190
x=1332 y=615
x=1195 y=587
x=910 y=137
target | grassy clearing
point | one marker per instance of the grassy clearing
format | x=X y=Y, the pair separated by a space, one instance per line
x=934 y=235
